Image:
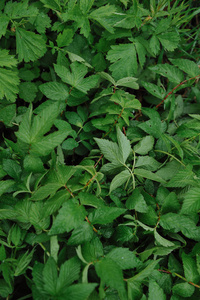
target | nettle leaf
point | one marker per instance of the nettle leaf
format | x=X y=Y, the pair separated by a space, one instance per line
x=191 y=202
x=70 y=216
x=183 y=289
x=186 y=65
x=124 y=145
x=124 y=258
x=162 y=241
x=76 y=78
x=119 y=179
x=105 y=215
x=4 y=20
x=190 y=268
x=169 y=40
x=155 y=90
x=102 y=15
x=85 y=5
x=155 y=291
x=110 y=150
x=123 y=59
x=54 y=90
x=136 y=201
x=7 y=60
x=113 y=275
x=144 y=146
x=65 y=38
x=172 y=73
x=9 y=82
x=30 y=46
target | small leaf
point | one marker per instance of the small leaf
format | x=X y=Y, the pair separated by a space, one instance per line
x=54 y=90
x=105 y=215
x=162 y=241
x=155 y=291
x=144 y=146
x=136 y=201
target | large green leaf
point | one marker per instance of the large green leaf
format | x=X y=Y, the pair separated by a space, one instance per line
x=30 y=46
x=9 y=82
x=70 y=216
x=119 y=179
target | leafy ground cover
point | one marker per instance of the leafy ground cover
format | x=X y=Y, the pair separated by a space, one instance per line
x=99 y=150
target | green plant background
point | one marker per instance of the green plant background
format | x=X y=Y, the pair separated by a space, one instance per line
x=99 y=150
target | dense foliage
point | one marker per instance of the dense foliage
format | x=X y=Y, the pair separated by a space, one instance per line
x=100 y=147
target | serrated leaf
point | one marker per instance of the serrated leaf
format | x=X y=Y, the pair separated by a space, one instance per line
x=128 y=82
x=148 y=163
x=110 y=150
x=136 y=201
x=53 y=4
x=172 y=73
x=123 y=59
x=76 y=78
x=85 y=5
x=102 y=15
x=145 y=272
x=110 y=274
x=5 y=185
x=155 y=291
x=50 y=276
x=154 y=126
x=23 y=262
x=169 y=40
x=182 y=178
x=119 y=179
x=70 y=216
x=54 y=90
x=144 y=146
x=148 y=174
x=190 y=268
x=154 y=44
x=7 y=60
x=124 y=145
x=79 y=291
x=186 y=65
x=183 y=289
x=69 y=272
x=4 y=20
x=80 y=235
x=124 y=258
x=162 y=241
x=153 y=89
x=9 y=82
x=30 y=46
x=105 y=215
x=191 y=202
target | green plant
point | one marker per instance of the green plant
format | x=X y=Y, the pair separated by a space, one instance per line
x=99 y=153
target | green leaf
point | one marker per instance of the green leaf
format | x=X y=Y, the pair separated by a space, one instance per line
x=148 y=163
x=33 y=164
x=46 y=190
x=70 y=216
x=183 y=289
x=69 y=272
x=162 y=241
x=102 y=14
x=23 y=263
x=5 y=185
x=191 y=202
x=76 y=78
x=80 y=291
x=9 y=82
x=145 y=272
x=12 y=168
x=54 y=90
x=190 y=268
x=154 y=126
x=50 y=276
x=182 y=178
x=110 y=274
x=90 y=200
x=105 y=215
x=123 y=59
x=4 y=20
x=28 y=91
x=80 y=235
x=119 y=179
x=53 y=4
x=148 y=174
x=129 y=82
x=154 y=90
x=172 y=73
x=124 y=145
x=186 y=65
x=7 y=60
x=136 y=201
x=169 y=40
x=124 y=258
x=144 y=146
x=65 y=38
x=85 y=5
x=110 y=150
x=30 y=46
x=171 y=204
x=155 y=291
